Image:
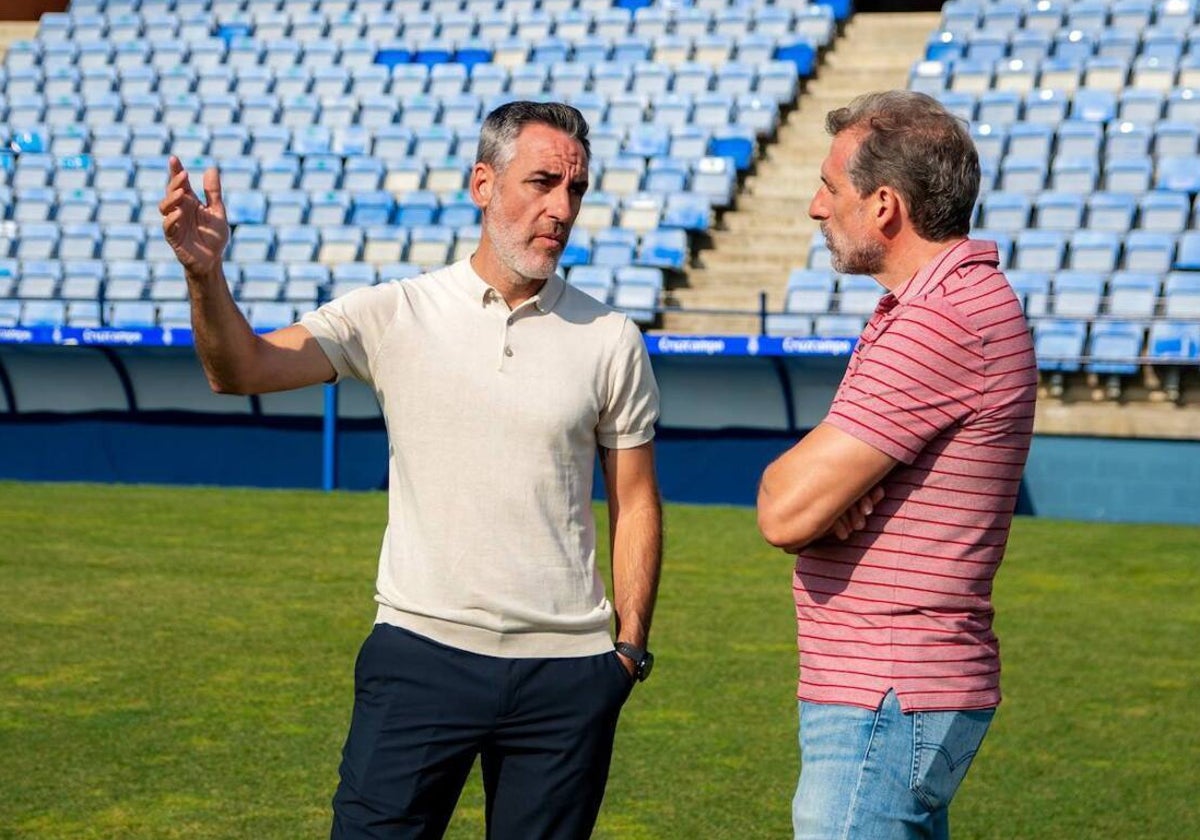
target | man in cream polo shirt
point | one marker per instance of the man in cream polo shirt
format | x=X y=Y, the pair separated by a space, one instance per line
x=499 y=383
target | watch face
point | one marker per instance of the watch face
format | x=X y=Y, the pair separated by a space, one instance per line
x=645 y=666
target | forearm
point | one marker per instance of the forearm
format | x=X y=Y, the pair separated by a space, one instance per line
x=637 y=564
x=224 y=340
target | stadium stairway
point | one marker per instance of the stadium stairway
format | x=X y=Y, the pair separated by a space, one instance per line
x=769 y=231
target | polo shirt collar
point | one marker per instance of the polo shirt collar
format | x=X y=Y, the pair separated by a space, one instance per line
x=954 y=257
x=480 y=291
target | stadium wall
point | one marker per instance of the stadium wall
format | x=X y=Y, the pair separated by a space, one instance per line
x=147 y=416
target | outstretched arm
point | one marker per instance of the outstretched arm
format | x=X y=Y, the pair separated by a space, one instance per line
x=235 y=359
x=827 y=484
x=635 y=531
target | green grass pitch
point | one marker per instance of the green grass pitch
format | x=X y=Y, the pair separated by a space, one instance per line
x=177 y=663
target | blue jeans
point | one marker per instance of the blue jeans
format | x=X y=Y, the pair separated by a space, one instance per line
x=883 y=774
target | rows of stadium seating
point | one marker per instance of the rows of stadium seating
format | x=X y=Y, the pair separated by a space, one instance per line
x=345 y=131
x=1087 y=119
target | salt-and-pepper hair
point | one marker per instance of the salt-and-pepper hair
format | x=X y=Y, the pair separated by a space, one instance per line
x=914 y=145
x=498 y=136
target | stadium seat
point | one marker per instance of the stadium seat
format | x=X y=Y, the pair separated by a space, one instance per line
x=595 y=280
x=1032 y=289
x=1062 y=211
x=1149 y=251
x=430 y=245
x=1112 y=212
x=858 y=294
x=1165 y=212
x=1133 y=295
x=665 y=248
x=613 y=247
x=1181 y=295
x=1114 y=347
x=1187 y=258
x=1039 y=250
x=1094 y=250
x=1058 y=343
x=1078 y=294
x=1173 y=341
x=809 y=290
x=838 y=326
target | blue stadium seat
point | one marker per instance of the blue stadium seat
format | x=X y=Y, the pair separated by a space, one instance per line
x=614 y=247
x=858 y=294
x=1176 y=139
x=1111 y=211
x=637 y=291
x=1179 y=174
x=1187 y=258
x=1133 y=295
x=595 y=280
x=838 y=326
x=1021 y=174
x=384 y=244
x=665 y=248
x=1059 y=211
x=578 y=250
x=1059 y=73
x=1032 y=289
x=1166 y=212
x=43 y=313
x=261 y=281
x=1141 y=107
x=716 y=178
x=1078 y=294
x=1181 y=295
x=39 y=279
x=809 y=290
x=1045 y=106
x=1005 y=210
x=640 y=211
x=132 y=314
x=1150 y=251
x=245 y=206
x=1094 y=250
x=1115 y=346
x=1039 y=250
x=1127 y=139
x=687 y=211
x=429 y=245
x=1183 y=104
x=1173 y=341
x=1058 y=343
x=1129 y=175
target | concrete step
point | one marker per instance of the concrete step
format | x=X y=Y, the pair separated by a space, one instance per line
x=756 y=245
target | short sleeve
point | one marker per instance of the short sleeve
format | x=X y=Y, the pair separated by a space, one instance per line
x=350 y=328
x=922 y=374
x=631 y=411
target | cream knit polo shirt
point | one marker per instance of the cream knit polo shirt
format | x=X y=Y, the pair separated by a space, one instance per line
x=493 y=417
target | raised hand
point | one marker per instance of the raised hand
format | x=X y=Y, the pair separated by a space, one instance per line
x=198 y=233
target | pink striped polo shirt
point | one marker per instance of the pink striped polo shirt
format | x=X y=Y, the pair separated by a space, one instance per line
x=943 y=379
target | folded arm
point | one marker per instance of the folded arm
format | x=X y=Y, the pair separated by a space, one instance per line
x=827 y=484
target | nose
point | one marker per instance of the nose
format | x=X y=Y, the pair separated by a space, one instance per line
x=816 y=208
x=560 y=204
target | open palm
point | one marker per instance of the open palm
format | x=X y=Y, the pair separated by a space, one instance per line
x=197 y=232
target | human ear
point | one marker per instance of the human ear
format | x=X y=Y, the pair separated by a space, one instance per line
x=482 y=184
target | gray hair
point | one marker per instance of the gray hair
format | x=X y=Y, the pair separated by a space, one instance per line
x=914 y=145
x=498 y=136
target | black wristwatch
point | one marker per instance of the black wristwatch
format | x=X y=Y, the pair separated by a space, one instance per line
x=643 y=660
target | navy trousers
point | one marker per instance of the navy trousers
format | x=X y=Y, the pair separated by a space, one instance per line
x=543 y=729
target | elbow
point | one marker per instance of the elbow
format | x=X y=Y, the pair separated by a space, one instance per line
x=783 y=529
x=227 y=386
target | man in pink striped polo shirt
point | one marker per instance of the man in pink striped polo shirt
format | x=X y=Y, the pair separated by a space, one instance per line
x=898 y=505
